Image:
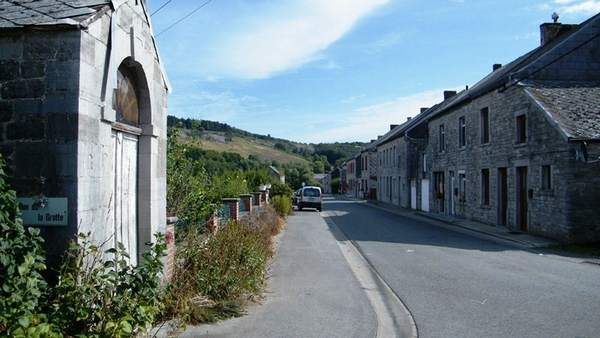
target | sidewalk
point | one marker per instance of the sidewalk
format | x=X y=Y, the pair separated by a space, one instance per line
x=496 y=231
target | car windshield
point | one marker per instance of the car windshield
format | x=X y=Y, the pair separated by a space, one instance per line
x=311 y=192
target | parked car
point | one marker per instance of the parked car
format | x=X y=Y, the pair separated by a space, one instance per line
x=296 y=197
x=310 y=197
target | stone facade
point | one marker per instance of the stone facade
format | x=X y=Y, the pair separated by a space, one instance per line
x=59 y=125
x=510 y=150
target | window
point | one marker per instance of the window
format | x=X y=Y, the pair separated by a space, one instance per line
x=462 y=132
x=485 y=186
x=424 y=163
x=485 y=126
x=126 y=97
x=521 y=129
x=546 y=176
x=442 y=138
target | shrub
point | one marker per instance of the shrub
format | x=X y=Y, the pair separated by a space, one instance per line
x=107 y=298
x=21 y=263
x=283 y=205
x=216 y=274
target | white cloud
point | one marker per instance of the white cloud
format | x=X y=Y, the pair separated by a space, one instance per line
x=288 y=41
x=366 y=123
x=586 y=7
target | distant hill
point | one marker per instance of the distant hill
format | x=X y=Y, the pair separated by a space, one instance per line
x=221 y=137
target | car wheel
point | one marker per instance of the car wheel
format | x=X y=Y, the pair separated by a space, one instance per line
x=299 y=208
x=320 y=209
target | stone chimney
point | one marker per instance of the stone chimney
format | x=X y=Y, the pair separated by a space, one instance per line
x=448 y=94
x=424 y=109
x=408 y=118
x=496 y=66
x=392 y=126
x=551 y=30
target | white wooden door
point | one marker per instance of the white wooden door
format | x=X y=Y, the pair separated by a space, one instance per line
x=425 y=195
x=125 y=191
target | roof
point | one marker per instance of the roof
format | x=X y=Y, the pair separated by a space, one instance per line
x=548 y=96
x=19 y=14
x=573 y=106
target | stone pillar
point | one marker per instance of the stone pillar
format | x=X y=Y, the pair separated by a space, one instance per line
x=234 y=209
x=257 y=197
x=265 y=196
x=170 y=239
x=247 y=198
x=212 y=222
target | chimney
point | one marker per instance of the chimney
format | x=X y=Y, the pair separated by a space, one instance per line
x=392 y=126
x=551 y=30
x=448 y=94
x=408 y=118
x=424 y=109
x=496 y=66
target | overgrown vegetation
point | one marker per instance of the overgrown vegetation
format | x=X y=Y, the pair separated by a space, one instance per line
x=96 y=296
x=214 y=280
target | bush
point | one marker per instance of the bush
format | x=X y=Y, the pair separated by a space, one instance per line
x=21 y=264
x=108 y=297
x=283 y=205
x=216 y=274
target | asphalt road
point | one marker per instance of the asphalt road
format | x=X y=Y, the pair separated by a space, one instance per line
x=458 y=283
x=312 y=291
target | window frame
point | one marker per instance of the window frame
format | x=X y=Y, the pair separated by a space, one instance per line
x=521 y=129
x=484 y=116
x=442 y=138
x=485 y=186
x=546 y=177
x=462 y=132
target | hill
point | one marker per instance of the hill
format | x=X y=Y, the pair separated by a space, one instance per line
x=248 y=147
x=223 y=138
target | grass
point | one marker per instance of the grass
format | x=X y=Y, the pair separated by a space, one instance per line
x=246 y=147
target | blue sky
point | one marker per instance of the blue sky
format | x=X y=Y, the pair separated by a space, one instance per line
x=323 y=71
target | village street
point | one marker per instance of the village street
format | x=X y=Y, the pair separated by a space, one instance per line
x=454 y=282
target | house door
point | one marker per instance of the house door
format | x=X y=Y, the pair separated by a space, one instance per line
x=425 y=195
x=502 y=196
x=453 y=193
x=413 y=194
x=522 y=213
x=125 y=169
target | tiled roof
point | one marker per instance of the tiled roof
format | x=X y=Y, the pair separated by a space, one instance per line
x=24 y=13
x=574 y=106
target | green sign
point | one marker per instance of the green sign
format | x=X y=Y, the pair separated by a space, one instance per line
x=44 y=211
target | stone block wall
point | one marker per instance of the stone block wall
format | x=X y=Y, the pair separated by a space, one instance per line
x=551 y=212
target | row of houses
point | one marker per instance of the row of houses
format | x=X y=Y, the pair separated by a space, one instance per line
x=519 y=149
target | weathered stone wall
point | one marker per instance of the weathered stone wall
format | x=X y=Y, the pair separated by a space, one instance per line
x=555 y=213
x=56 y=120
x=39 y=118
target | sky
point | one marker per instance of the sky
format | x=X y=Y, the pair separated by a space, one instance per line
x=325 y=71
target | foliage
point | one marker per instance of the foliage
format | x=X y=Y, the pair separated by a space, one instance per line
x=297 y=173
x=21 y=264
x=257 y=177
x=107 y=298
x=335 y=185
x=229 y=184
x=283 y=204
x=280 y=189
x=186 y=181
x=215 y=274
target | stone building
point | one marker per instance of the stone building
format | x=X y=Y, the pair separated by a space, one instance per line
x=519 y=149
x=83 y=119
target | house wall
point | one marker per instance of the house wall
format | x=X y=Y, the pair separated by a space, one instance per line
x=550 y=211
x=39 y=119
x=56 y=122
